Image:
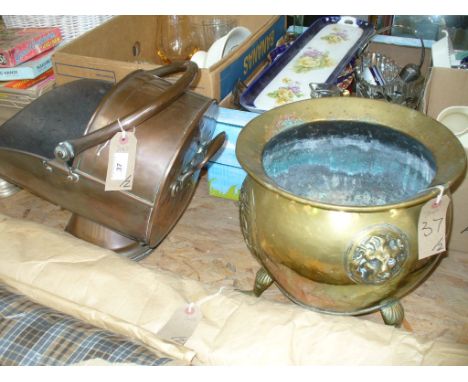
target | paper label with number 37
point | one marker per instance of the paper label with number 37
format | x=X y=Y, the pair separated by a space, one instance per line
x=432 y=227
x=121 y=163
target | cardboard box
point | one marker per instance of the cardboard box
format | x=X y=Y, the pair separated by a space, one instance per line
x=448 y=87
x=403 y=50
x=225 y=174
x=126 y=43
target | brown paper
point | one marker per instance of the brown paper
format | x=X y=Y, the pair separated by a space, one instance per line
x=87 y=282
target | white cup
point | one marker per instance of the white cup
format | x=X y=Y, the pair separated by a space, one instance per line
x=226 y=44
x=222 y=47
x=200 y=58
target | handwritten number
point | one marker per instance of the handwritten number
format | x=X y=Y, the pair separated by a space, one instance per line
x=425 y=229
x=439 y=246
x=126 y=182
x=431 y=230
x=440 y=220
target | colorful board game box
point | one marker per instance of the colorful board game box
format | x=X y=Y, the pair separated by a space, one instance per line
x=29 y=69
x=20 y=45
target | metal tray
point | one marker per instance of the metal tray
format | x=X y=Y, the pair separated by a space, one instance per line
x=318 y=55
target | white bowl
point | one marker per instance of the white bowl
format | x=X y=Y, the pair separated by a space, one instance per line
x=225 y=45
x=456 y=119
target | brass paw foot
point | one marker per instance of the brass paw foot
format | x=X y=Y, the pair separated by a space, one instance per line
x=7 y=189
x=392 y=312
x=262 y=283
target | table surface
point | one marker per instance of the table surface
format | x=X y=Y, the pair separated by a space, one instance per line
x=207 y=245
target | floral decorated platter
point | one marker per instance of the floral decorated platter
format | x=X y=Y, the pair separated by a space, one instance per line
x=319 y=55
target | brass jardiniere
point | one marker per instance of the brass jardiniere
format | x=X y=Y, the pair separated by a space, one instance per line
x=360 y=253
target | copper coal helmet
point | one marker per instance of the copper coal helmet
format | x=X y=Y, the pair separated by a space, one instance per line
x=57 y=149
x=334 y=192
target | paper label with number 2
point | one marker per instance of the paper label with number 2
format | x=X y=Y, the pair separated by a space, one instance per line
x=431 y=227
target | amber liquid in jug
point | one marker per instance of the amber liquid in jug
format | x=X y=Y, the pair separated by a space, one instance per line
x=175 y=39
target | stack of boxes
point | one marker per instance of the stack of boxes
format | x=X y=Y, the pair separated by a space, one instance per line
x=26 y=64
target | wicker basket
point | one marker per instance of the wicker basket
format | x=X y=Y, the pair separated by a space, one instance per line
x=71 y=26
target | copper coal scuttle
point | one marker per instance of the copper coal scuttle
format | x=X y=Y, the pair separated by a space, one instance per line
x=331 y=203
x=57 y=148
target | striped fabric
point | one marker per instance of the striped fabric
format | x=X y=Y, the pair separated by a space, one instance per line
x=31 y=334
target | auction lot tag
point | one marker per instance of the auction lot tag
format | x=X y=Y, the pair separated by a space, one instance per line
x=182 y=324
x=431 y=227
x=121 y=165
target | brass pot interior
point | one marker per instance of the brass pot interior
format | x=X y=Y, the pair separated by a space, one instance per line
x=348 y=163
x=349 y=126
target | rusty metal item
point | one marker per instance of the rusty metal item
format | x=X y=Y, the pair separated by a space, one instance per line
x=173 y=127
x=331 y=202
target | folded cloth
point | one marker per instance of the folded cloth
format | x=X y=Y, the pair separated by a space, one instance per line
x=34 y=335
x=111 y=292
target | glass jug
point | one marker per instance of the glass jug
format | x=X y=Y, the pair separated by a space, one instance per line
x=175 y=39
